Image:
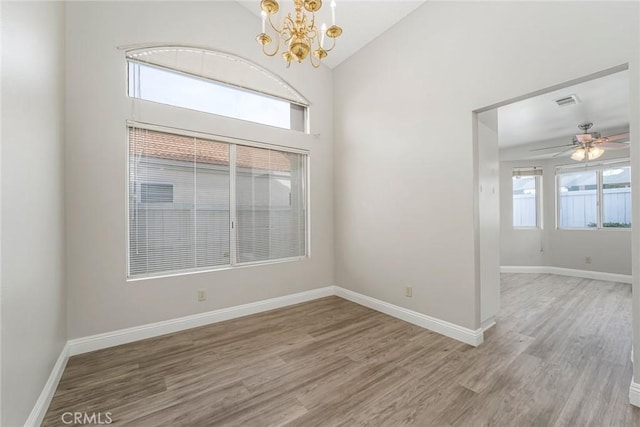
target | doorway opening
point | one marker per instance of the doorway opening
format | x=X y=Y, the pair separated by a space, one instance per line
x=553 y=189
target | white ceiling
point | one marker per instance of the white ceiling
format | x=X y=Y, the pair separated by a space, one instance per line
x=539 y=121
x=361 y=21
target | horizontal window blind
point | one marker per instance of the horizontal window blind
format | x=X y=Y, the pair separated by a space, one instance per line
x=192 y=229
x=270 y=204
x=180 y=212
x=527 y=172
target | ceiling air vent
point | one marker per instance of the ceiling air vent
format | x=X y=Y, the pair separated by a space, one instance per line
x=567 y=100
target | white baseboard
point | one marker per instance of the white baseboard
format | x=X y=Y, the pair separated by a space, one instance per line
x=137 y=333
x=451 y=330
x=634 y=393
x=585 y=274
x=124 y=336
x=524 y=269
x=488 y=324
x=42 y=404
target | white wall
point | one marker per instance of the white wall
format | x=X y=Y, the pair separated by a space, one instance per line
x=488 y=227
x=609 y=249
x=34 y=328
x=100 y=298
x=404 y=145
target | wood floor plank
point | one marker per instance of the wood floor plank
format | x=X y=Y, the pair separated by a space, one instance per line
x=559 y=355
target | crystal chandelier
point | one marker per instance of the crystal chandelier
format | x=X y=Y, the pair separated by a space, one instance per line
x=298 y=34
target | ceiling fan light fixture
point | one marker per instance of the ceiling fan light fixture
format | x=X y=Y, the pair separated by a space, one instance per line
x=578 y=155
x=595 y=152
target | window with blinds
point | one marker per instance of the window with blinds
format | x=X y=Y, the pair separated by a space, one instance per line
x=270 y=204
x=184 y=216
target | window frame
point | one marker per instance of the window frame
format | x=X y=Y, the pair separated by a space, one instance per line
x=233 y=143
x=539 y=199
x=599 y=168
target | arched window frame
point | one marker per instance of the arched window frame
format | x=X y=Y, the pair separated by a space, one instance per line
x=162 y=117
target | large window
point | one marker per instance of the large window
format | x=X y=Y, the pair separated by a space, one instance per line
x=594 y=197
x=527 y=198
x=199 y=204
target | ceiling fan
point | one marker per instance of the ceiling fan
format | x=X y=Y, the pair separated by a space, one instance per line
x=590 y=145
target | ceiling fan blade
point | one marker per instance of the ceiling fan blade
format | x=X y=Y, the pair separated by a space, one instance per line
x=555 y=146
x=618 y=136
x=562 y=153
x=614 y=145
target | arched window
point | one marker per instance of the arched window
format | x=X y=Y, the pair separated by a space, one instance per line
x=214 y=82
x=199 y=201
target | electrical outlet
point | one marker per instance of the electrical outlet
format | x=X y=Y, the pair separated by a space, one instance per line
x=408 y=291
x=587 y=260
x=202 y=295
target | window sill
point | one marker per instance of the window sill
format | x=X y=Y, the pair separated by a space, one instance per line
x=163 y=275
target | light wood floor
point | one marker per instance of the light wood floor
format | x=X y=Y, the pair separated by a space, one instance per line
x=558 y=357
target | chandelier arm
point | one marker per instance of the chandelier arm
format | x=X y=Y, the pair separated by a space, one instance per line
x=313 y=35
x=332 y=45
x=313 y=63
x=273 y=26
x=264 y=50
x=286 y=39
x=288 y=22
x=313 y=22
x=286 y=33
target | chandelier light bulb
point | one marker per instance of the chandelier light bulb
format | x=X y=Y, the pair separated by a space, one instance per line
x=333 y=12
x=323 y=31
x=264 y=21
